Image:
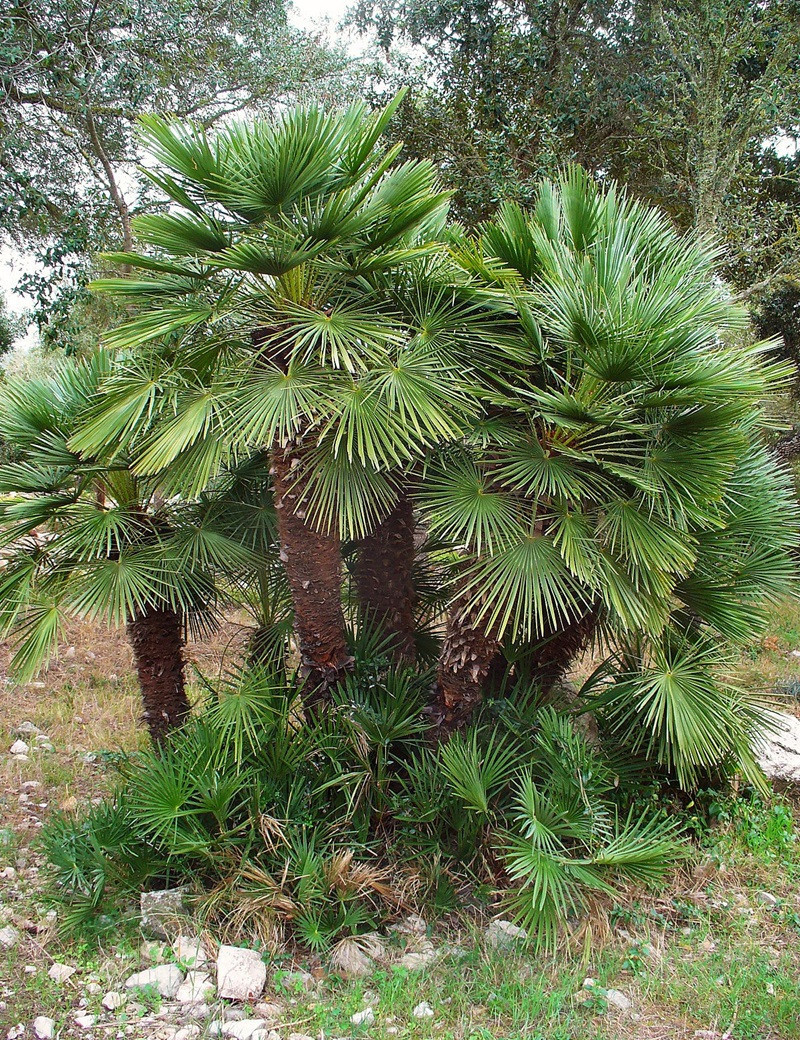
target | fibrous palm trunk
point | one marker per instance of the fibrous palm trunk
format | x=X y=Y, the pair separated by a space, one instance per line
x=466 y=657
x=313 y=568
x=384 y=582
x=470 y=652
x=156 y=636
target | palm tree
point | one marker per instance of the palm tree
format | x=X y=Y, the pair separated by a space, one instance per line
x=605 y=489
x=307 y=309
x=84 y=536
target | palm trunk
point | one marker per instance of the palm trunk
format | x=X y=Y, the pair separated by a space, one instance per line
x=464 y=663
x=313 y=568
x=383 y=576
x=156 y=637
x=559 y=650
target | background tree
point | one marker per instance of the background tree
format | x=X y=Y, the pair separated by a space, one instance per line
x=74 y=75
x=682 y=102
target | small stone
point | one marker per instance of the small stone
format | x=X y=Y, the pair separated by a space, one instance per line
x=166 y=979
x=616 y=998
x=363 y=1018
x=44 y=1027
x=19 y=747
x=84 y=1021
x=94 y=989
x=162 y=911
x=61 y=972
x=112 y=1000
x=766 y=899
x=8 y=937
x=26 y=729
x=502 y=935
x=30 y=969
x=16 y=1031
x=196 y=989
x=269 y=1012
x=300 y=1036
x=266 y=1034
x=187 y=1033
x=189 y=950
x=243 y=1030
x=423 y=1010
x=241 y=974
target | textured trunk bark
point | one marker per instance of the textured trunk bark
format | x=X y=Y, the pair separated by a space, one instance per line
x=157 y=640
x=560 y=650
x=467 y=655
x=313 y=568
x=383 y=576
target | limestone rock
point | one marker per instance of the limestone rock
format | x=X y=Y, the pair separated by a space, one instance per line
x=503 y=935
x=241 y=973
x=166 y=979
x=423 y=1010
x=189 y=950
x=162 y=912
x=8 y=937
x=778 y=753
x=243 y=1030
x=44 y=1027
x=616 y=998
x=113 y=1000
x=85 y=1021
x=363 y=1018
x=766 y=899
x=61 y=972
x=196 y=989
x=19 y=747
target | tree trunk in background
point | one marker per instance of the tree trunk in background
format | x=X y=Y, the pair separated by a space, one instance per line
x=559 y=650
x=383 y=576
x=157 y=640
x=313 y=568
x=466 y=657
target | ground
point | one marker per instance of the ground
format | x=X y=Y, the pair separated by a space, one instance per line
x=716 y=955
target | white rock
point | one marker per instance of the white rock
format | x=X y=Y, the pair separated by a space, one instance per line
x=196 y=989
x=778 y=753
x=166 y=979
x=16 y=1031
x=363 y=1018
x=300 y=1036
x=416 y=960
x=113 y=1000
x=8 y=937
x=423 y=1010
x=84 y=1021
x=8 y=873
x=19 y=747
x=93 y=989
x=61 y=972
x=241 y=973
x=243 y=1030
x=163 y=911
x=187 y=1033
x=189 y=950
x=502 y=935
x=616 y=998
x=266 y=1034
x=766 y=899
x=44 y=1027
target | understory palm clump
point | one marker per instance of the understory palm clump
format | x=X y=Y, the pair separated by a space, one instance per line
x=327 y=830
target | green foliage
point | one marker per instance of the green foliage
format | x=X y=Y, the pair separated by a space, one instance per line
x=313 y=824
